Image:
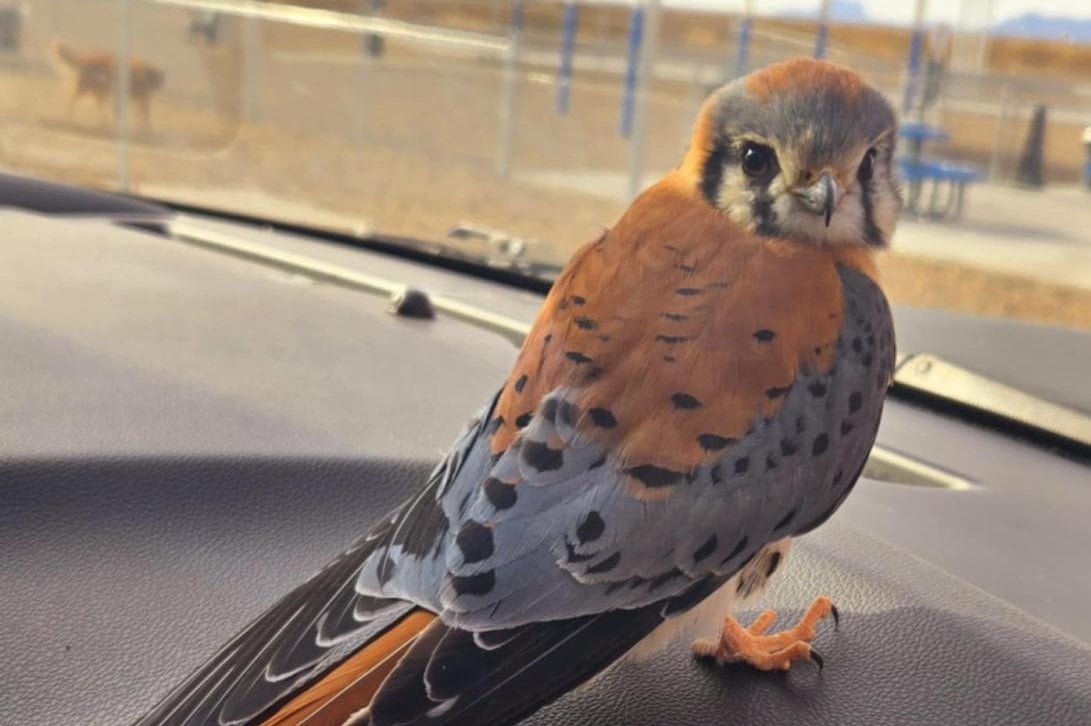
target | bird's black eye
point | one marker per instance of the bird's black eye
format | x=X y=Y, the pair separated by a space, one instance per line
x=758 y=161
x=867 y=167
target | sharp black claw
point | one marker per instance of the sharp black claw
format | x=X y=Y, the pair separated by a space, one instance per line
x=836 y=617
x=818 y=659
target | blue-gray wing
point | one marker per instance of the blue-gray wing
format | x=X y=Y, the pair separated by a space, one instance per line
x=325 y=619
x=549 y=530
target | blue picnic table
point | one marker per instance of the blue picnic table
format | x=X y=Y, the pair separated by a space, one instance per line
x=922 y=132
x=917 y=170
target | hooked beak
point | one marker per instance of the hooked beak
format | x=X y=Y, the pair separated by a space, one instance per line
x=821 y=196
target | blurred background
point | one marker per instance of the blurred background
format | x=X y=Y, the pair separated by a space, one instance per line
x=516 y=130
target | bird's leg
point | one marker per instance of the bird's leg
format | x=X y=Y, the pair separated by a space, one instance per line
x=768 y=652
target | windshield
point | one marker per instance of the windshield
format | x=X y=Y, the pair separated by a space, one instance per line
x=519 y=130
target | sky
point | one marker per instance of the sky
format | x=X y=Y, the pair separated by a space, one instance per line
x=901 y=11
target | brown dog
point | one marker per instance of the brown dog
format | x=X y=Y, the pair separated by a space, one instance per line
x=94 y=74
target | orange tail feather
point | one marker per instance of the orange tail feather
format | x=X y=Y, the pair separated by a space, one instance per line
x=350 y=686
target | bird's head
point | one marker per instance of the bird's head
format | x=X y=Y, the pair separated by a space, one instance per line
x=802 y=150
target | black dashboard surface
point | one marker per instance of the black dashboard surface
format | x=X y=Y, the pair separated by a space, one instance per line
x=185 y=435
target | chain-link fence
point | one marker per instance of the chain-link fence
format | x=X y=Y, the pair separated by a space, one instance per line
x=538 y=118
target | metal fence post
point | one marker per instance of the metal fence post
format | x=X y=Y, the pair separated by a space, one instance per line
x=1001 y=126
x=742 y=55
x=822 y=33
x=640 y=115
x=508 y=91
x=986 y=35
x=742 y=48
x=124 y=82
x=568 y=43
x=360 y=117
x=251 y=75
x=913 y=63
x=636 y=38
x=1085 y=139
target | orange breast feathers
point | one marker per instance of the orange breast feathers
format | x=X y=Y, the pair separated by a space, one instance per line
x=676 y=331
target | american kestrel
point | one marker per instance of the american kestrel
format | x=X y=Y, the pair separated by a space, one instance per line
x=703 y=383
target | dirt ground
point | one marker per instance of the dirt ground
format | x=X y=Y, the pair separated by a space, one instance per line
x=417 y=163
x=977 y=136
x=928 y=283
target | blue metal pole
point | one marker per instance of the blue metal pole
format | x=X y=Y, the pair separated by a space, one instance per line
x=822 y=34
x=820 y=40
x=373 y=44
x=913 y=63
x=913 y=68
x=121 y=109
x=636 y=38
x=644 y=75
x=517 y=16
x=568 y=42
x=1087 y=157
x=742 y=59
x=509 y=91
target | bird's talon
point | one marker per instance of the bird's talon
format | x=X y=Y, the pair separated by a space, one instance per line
x=769 y=652
x=836 y=616
x=762 y=622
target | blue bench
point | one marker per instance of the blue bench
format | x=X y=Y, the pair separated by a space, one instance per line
x=939 y=172
x=919 y=132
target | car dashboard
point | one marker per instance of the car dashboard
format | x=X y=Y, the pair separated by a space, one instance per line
x=199 y=412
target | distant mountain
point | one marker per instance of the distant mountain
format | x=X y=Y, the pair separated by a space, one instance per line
x=841 y=11
x=1036 y=25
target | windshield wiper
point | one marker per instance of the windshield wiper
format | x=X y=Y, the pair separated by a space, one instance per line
x=501 y=250
x=497 y=261
x=526 y=274
x=929 y=379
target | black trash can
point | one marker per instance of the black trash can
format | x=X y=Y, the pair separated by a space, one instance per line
x=1031 y=172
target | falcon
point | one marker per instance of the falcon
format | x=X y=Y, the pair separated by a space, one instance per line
x=702 y=384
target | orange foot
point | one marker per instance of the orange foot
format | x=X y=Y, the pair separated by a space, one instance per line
x=768 y=652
